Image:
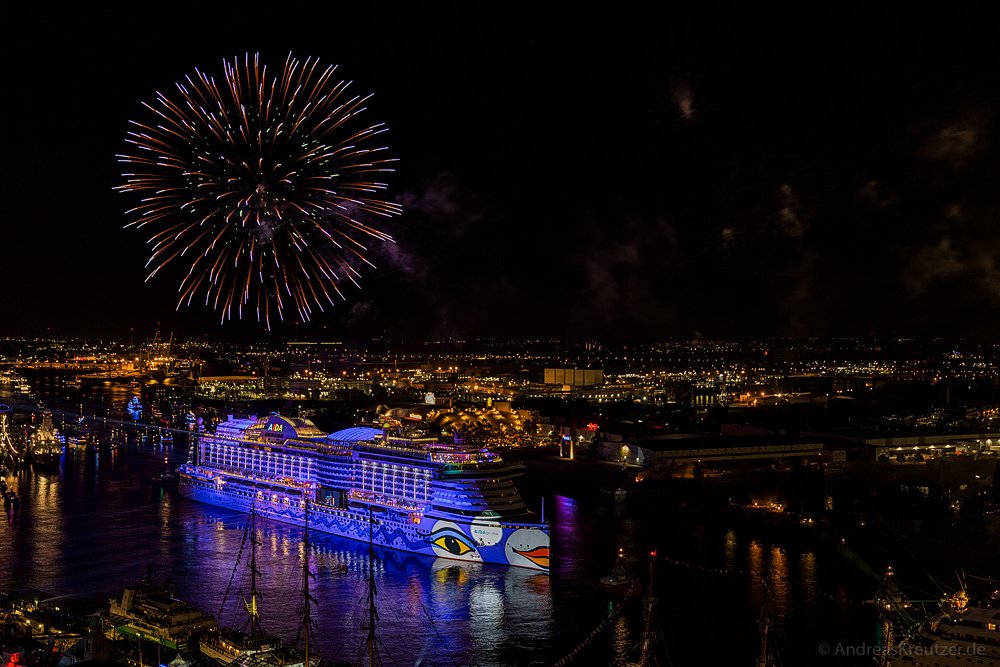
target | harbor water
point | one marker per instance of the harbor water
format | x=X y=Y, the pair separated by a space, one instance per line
x=98 y=522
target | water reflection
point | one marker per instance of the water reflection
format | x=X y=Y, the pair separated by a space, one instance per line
x=807 y=569
x=730 y=549
x=755 y=559
x=778 y=589
x=95 y=526
x=88 y=535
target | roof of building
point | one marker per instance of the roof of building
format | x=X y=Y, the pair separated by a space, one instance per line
x=355 y=433
x=687 y=441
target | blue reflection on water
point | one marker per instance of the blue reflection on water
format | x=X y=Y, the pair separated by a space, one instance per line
x=87 y=529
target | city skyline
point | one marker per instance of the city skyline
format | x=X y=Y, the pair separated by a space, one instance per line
x=655 y=174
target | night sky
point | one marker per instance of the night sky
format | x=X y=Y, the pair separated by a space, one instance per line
x=628 y=174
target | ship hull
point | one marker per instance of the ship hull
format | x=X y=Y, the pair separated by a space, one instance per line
x=480 y=539
x=47 y=460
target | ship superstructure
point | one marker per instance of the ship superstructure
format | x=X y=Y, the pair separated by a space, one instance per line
x=422 y=495
x=153 y=613
x=961 y=634
x=46 y=445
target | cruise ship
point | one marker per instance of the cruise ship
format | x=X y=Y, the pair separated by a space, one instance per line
x=411 y=493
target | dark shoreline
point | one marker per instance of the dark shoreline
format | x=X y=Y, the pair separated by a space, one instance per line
x=934 y=547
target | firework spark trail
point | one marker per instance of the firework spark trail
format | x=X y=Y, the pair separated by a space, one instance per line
x=265 y=184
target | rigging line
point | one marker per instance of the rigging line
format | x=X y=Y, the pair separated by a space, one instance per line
x=574 y=653
x=426 y=613
x=912 y=555
x=232 y=575
x=386 y=649
x=651 y=644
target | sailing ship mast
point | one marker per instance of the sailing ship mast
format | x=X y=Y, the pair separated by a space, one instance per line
x=764 y=659
x=768 y=653
x=649 y=632
x=307 y=598
x=255 y=627
x=371 y=640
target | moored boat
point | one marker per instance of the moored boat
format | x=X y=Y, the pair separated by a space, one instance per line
x=46 y=445
x=10 y=500
x=153 y=613
x=964 y=632
x=619 y=580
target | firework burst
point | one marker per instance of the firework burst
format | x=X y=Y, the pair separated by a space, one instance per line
x=263 y=186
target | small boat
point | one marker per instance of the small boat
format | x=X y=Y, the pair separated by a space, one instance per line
x=617 y=493
x=619 y=581
x=166 y=479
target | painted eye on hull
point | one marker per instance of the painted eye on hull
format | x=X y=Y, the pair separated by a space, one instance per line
x=451 y=541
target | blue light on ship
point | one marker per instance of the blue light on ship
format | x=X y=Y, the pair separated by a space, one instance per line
x=134 y=408
x=411 y=493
